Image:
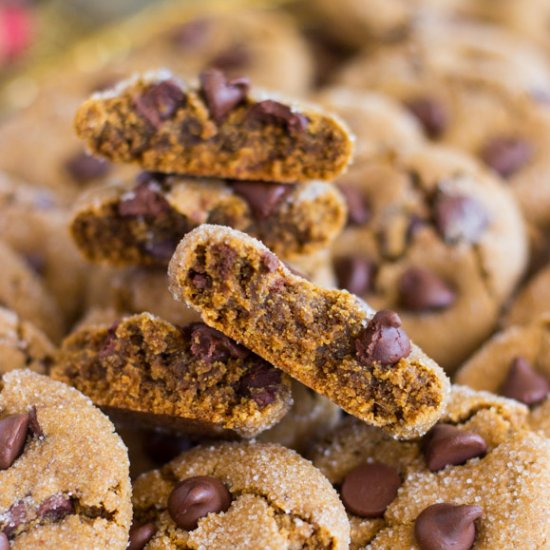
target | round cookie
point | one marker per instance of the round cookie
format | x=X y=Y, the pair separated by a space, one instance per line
x=22 y=345
x=515 y=363
x=270 y=497
x=478 y=455
x=70 y=486
x=442 y=242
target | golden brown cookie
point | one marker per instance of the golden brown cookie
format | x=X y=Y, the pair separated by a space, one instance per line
x=64 y=472
x=144 y=370
x=216 y=128
x=239 y=495
x=326 y=339
x=486 y=472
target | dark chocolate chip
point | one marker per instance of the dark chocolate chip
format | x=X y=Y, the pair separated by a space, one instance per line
x=234 y=57
x=159 y=102
x=145 y=200
x=261 y=383
x=222 y=95
x=195 y=498
x=263 y=198
x=56 y=507
x=369 y=489
x=523 y=383
x=355 y=274
x=358 y=209
x=36 y=261
x=226 y=258
x=162 y=447
x=422 y=290
x=383 y=340
x=446 y=445
x=140 y=535
x=161 y=250
x=273 y=112
x=191 y=35
x=270 y=261
x=83 y=167
x=211 y=345
x=460 y=218
x=507 y=155
x=14 y=517
x=13 y=433
x=431 y=114
x=4 y=542
x=447 y=527
x=34 y=426
x=201 y=281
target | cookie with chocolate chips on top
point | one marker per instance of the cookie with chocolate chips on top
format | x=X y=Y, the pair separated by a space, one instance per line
x=328 y=340
x=476 y=480
x=217 y=128
x=146 y=371
x=63 y=470
x=238 y=495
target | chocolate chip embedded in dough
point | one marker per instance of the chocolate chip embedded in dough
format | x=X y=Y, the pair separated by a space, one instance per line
x=140 y=535
x=430 y=113
x=263 y=198
x=275 y=112
x=222 y=95
x=355 y=274
x=358 y=209
x=84 y=168
x=422 y=290
x=211 y=345
x=159 y=101
x=13 y=433
x=523 y=383
x=261 y=383
x=507 y=155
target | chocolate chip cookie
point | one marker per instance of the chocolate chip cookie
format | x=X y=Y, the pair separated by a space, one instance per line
x=64 y=472
x=514 y=363
x=238 y=495
x=215 y=128
x=141 y=223
x=442 y=242
x=475 y=480
x=328 y=340
x=144 y=370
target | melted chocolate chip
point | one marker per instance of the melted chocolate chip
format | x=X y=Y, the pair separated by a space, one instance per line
x=446 y=445
x=460 y=218
x=13 y=433
x=161 y=250
x=507 y=155
x=56 y=507
x=140 y=535
x=211 y=345
x=431 y=114
x=355 y=274
x=195 y=498
x=34 y=426
x=14 y=517
x=263 y=198
x=145 y=200
x=234 y=57
x=423 y=290
x=4 y=542
x=163 y=447
x=222 y=95
x=358 y=209
x=447 y=527
x=200 y=281
x=84 y=168
x=225 y=259
x=191 y=35
x=369 y=489
x=523 y=383
x=261 y=383
x=382 y=340
x=273 y=112
x=159 y=101
x=270 y=261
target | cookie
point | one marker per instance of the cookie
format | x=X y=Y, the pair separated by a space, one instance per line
x=64 y=475
x=328 y=340
x=239 y=495
x=514 y=363
x=144 y=370
x=22 y=345
x=216 y=128
x=22 y=291
x=141 y=223
x=442 y=242
x=478 y=475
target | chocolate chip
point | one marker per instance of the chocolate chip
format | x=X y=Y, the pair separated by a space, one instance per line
x=195 y=498
x=34 y=426
x=56 y=507
x=222 y=95
x=355 y=274
x=261 y=383
x=4 y=542
x=13 y=433
x=431 y=114
x=263 y=198
x=201 y=281
x=358 y=209
x=234 y=57
x=159 y=102
x=274 y=112
x=226 y=258
x=211 y=345
x=422 y=290
x=140 y=535
x=523 y=383
x=163 y=447
x=369 y=489
x=14 y=517
x=382 y=340
x=447 y=527
x=191 y=35
x=507 y=155
x=36 y=261
x=83 y=167
x=145 y=200
x=446 y=445
x=460 y=218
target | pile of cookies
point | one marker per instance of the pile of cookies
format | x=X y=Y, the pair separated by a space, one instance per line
x=230 y=319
